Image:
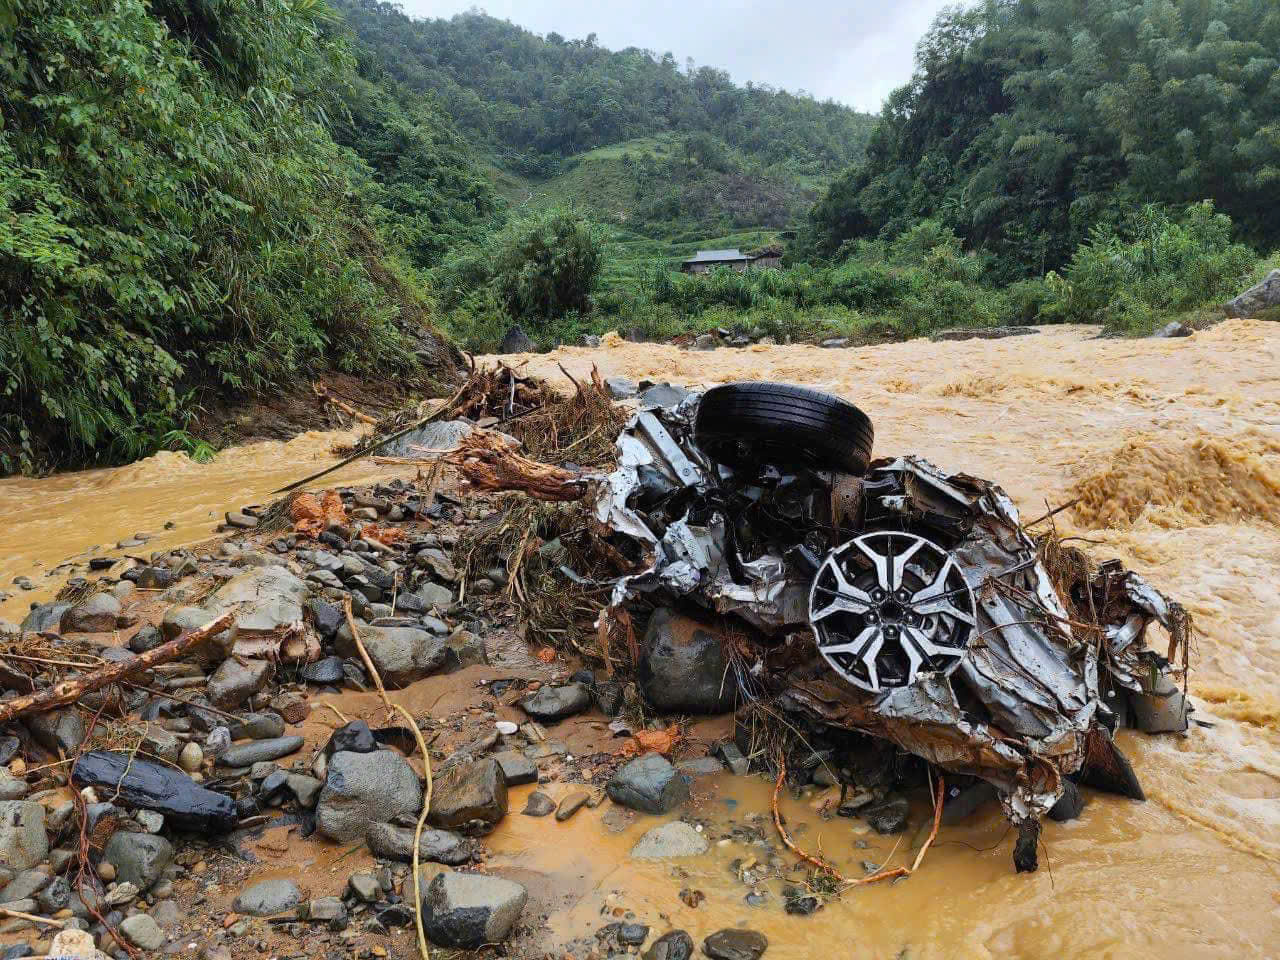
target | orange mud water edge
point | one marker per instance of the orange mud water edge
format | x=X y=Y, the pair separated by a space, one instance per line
x=1173 y=449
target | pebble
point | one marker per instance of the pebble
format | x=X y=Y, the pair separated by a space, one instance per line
x=142 y=931
x=538 y=805
x=571 y=805
x=191 y=757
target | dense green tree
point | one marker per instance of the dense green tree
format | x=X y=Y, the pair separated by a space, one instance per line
x=1029 y=122
x=174 y=215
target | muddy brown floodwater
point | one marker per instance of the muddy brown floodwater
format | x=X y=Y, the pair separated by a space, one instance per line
x=1172 y=448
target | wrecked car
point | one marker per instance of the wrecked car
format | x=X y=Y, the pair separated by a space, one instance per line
x=887 y=597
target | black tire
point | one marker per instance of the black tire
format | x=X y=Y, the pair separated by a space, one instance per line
x=753 y=423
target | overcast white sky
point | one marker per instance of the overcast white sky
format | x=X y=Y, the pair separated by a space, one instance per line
x=854 y=52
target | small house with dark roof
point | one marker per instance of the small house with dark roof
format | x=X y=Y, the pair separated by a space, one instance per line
x=705 y=260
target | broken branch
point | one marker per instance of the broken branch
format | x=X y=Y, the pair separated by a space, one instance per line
x=69 y=691
x=489 y=462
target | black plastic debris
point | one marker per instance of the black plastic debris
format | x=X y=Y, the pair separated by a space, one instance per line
x=138 y=783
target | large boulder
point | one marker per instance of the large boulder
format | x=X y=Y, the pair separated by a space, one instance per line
x=266 y=601
x=23 y=843
x=96 y=614
x=401 y=654
x=139 y=858
x=362 y=789
x=469 y=796
x=1257 y=299
x=516 y=341
x=440 y=435
x=469 y=910
x=648 y=783
x=683 y=667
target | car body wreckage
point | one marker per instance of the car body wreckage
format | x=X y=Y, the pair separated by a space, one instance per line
x=888 y=598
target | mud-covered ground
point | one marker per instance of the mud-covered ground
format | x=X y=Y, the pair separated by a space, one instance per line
x=1169 y=447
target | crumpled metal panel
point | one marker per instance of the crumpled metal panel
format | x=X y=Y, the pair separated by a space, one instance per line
x=1016 y=712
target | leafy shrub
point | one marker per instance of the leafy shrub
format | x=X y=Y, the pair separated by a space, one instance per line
x=1129 y=277
x=547 y=265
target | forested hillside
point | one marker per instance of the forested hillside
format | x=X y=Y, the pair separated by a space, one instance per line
x=178 y=223
x=536 y=101
x=1030 y=123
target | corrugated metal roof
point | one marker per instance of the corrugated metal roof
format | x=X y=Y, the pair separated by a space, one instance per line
x=712 y=256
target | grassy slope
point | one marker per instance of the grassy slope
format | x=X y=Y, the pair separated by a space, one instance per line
x=602 y=184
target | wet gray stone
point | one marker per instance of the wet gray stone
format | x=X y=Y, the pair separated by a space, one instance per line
x=468 y=910
x=234 y=682
x=670 y=840
x=734 y=943
x=267 y=725
x=469 y=796
x=26 y=885
x=96 y=614
x=328 y=910
x=23 y=843
x=139 y=858
x=683 y=667
x=259 y=751
x=401 y=654
x=364 y=887
x=538 y=805
x=142 y=931
x=650 y=784
x=362 y=789
x=327 y=671
x=549 y=704
x=676 y=945
x=268 y=897
x=1259 y=298
x=46 y=618
x=62 y=731
x=517 y=769
x=516 y=341
x=887 y=816
x=437 y=846
x=147 y=638
x=265 y=600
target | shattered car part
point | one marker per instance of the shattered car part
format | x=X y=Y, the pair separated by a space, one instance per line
x=886 y=604
x=985 y=673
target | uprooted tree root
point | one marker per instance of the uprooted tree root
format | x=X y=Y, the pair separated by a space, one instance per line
x=489 y=461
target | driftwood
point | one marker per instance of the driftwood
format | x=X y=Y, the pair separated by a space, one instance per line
x=69 y=691
x=489 y=461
